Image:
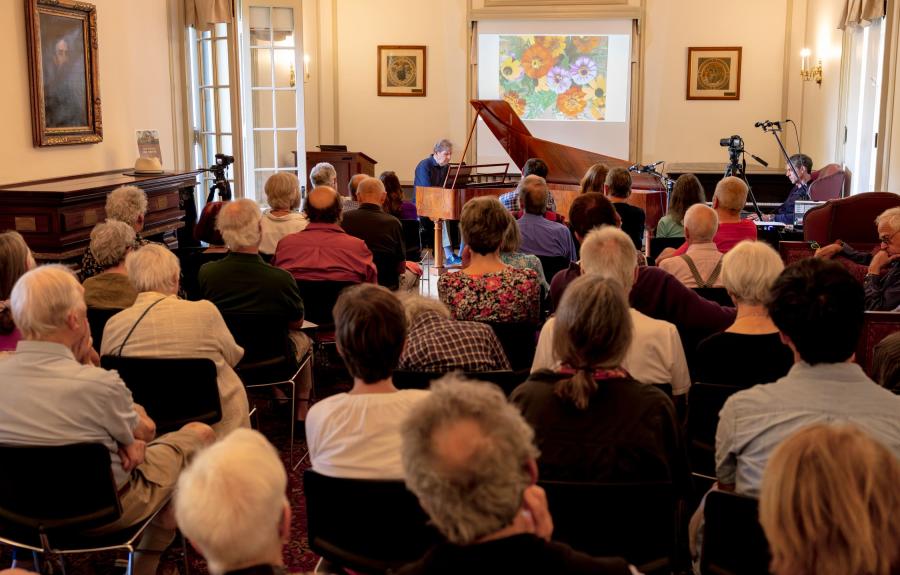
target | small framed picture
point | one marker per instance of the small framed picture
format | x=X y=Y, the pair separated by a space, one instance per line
x=714 y=73
x=401 y=71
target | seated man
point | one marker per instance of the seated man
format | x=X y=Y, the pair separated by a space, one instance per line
x=818 y=307
x=53 y=395
x=534 y=166
x=126 y=204
x=242 y=282
x=323 y=174
x=701 y=264
x=231 y=503
x=656 y=354
x=110 y=289
x=382 y=232
x=540 y=236
x=357 y=434
x=882 y=281
x=469 y=457
x=351 y=203
x=324 y=251
x=785 y=212
x=436 y=342
x=618 y=188
x=432 y=172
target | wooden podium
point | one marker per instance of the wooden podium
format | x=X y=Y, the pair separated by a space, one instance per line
x=346 y=164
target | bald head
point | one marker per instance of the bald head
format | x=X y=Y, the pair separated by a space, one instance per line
x=730 y=195
x=323 y=205
x=371 y=191
x=700 y=224
x=533 y=192
x=354 y=184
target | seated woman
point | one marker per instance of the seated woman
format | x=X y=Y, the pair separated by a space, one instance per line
x=829 y=504
x=687 y=192
x=487 y=289
x=110 y=289
x=593 y=421
x=882 y=281
x=594 y=178
x=15 y=260
x=748 y=272
x=394 y=203
x=511 y=255
x=282 y=217
x=159 y=324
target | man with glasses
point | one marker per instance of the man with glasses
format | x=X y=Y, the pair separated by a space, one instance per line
x=883 y=277
x=785 y=212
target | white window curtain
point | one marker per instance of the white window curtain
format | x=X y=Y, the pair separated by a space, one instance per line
x=204 y=14
x=861 y=12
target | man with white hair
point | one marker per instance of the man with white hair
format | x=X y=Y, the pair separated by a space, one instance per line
x=242 y=282
x=231 y=503
x=323 y=174
x=351 y=202
x=541 y=236
x=656 y=355
x=701 y=265
x=469 y=456
x=53 y=395
x=382 y=232
x=125 y=204
x=110 y=289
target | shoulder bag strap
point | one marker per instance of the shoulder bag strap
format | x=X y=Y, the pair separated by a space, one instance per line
x=131 y=331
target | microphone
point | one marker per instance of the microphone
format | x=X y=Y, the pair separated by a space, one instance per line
x=767 y=124
x=760 y=160
x=644 y=169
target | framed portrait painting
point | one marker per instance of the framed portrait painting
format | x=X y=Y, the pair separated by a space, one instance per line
x=714 y=73
x=401 y=71
x=65 y=87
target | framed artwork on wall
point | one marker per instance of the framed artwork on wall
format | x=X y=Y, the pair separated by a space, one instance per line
x=401 y=71
x=64 y=72
x=714 y=73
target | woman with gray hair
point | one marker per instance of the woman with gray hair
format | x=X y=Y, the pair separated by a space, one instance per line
x=592 y=420
x=282 y=217
x=748 y=272
x=110 y=243
x=512 y=255
x=159 y=324
x=127 y=204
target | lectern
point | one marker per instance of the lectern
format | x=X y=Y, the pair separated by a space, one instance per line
x=346 y=164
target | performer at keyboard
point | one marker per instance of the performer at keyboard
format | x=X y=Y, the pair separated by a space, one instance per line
x=432 y=171
x=785 y=212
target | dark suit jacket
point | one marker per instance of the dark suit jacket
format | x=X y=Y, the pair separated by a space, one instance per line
x=383 y=234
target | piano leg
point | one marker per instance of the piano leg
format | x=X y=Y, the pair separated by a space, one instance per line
x=438 y=243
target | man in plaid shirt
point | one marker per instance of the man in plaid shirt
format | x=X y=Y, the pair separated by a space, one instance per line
x=536 y=166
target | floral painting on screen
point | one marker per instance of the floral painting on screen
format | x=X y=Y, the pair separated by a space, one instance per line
x=554 y=77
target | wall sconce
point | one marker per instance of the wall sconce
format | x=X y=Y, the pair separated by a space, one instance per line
x=306 y=67
x=808 y=73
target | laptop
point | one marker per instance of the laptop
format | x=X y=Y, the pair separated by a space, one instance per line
x=800 y=209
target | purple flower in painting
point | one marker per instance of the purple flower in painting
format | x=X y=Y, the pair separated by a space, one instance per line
x=583 y=71
x=558 y=79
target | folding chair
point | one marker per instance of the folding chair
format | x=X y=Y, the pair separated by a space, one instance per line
x=705 y=401
x=519 y=341
x=733 y=540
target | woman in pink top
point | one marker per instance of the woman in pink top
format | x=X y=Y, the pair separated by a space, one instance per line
x=15 y=260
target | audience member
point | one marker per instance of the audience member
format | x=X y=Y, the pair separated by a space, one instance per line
x=469 y=457
x=381 y=232
x=394 y=204
x=357 y=434
x=324 y=251
x=159 y=324
x=438 y=343
x=656 y=356
x=323 y=174
x=728 y=201
x=532 y=167
x=882 y=281
x=488 y=290
x=242 y=283
x=512 y=255
x=594 y=178
x=592 y=421
x=110 y=289
x=125 y=204
x=617 y=188
x=800 y=190
x=60 y=398
x=282 y=217
x=830 y=504
x=432 y=172
x=540 y=236
x=886 y=362
x=687 y=191
x=15 y=260
x=701 y=265
x=351 y=203
x=748 y=273
x=818 y=307
x=231 y=504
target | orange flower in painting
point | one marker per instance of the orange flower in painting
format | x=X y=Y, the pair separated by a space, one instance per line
x=556 y=44
x=537 y=61
x=585 y=44
x=516 y=101
x=571 y=102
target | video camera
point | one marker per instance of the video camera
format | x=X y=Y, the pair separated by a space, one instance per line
x=732 y=142
x=221 y=180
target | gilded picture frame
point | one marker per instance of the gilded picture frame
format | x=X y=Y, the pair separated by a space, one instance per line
x=714 y=73
x=401 y=71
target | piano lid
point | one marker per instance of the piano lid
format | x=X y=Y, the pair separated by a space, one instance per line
x=567 y=164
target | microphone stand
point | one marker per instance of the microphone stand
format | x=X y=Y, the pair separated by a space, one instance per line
x=773 y=128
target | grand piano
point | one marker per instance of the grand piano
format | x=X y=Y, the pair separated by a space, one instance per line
x=567 y=166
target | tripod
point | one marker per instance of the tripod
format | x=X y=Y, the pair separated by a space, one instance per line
x=738 y=169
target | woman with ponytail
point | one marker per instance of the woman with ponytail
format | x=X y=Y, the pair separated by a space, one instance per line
x=592 y=420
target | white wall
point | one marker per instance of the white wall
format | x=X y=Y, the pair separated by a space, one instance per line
x=134 y=88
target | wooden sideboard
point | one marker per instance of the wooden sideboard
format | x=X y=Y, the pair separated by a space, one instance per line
x=770 y=185
x=56 y=216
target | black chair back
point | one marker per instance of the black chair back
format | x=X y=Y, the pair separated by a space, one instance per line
x=552 y=265
x=268 y=353
x=363 y=524
x=715 y=294
x=412 y=239
x=387 y=268
x=519 y=341
x=97 y=319
x=504 y=379
x=637 y=521
x=705 y=401
x=733 y=540
x=319 y=297
x=657 y=245
x=174 y=391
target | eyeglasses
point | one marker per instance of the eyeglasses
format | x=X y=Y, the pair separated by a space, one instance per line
x=887 y=239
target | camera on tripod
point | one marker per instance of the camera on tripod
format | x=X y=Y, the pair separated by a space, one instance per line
x=735 y=143
x=221 y=184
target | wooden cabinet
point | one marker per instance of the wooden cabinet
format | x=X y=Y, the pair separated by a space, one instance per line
x=346 y=164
